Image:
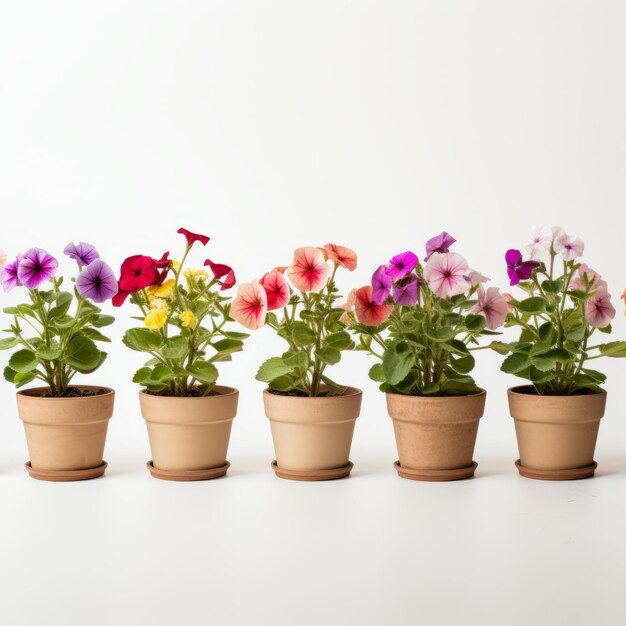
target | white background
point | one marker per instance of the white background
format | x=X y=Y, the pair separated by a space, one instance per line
x=270 y=125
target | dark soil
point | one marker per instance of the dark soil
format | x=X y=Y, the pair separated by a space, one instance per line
x=75 y=392
x=529 y=390
x=296 y=393
x=196 y=392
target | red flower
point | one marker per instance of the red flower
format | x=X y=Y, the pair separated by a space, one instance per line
x=219 y=271
x=138 y=272
x=120 y=297
x=164 y=265
x=367 y=311
x=193 y=237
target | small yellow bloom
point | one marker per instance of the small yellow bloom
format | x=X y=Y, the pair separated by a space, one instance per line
x=158 y=303
x=199 y=273
x=162 y=291
x=187 y=319
x=175 y=265
x=156 y=319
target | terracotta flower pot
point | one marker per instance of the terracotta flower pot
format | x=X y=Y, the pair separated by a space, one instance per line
x=556 y=435
x=435 y=436
x=189 y=435
x=65 y=436
x=312 y=436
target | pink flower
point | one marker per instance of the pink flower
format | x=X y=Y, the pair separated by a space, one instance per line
x=347 y=307
x=309 y=270
x=280 y=268
x=569 y=247
x=583 y=275
x=509 y=300
x=249 y=306
x=276 y=290
x=446 y=274
x=598 y=309
x=367 y=311
x=493 y=305
x=476 y=278
x=540 y=242
x=340 y=255
x=3 y=258
x=402 y=264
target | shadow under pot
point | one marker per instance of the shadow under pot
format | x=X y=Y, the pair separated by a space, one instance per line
x=436 y=435
x=66 y=435
x=312 y=435
x=556 y=435
x=189 y=435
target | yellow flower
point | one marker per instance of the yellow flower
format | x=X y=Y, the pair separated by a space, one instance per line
x=162 y=291
x=187 y=319
x=158 y=303
x=199 y=273
x=155 y=320
x=175 y=265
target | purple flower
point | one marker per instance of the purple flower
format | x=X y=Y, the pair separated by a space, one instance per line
x=440 y=243
x=518 y=269
x=97 y=282
x=83 y=253
x=401 y=265
x=406 y=291
x=8 y=275
x=35 y=267
x=381 y=284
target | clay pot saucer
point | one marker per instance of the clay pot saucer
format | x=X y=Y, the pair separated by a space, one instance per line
x=312 y=475
x=561 y=474
x=64 y=476
x=187 y=475
x=430 y=475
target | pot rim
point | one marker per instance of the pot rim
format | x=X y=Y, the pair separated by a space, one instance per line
x=353 y=392
x=516 y=391
x=232 y=391
x=482 y=392
x=31 y=393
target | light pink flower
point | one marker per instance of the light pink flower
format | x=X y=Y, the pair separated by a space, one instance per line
x=340 y=255
x=446 y=274
x=347 y=307
x=598 y=309
x=569 y=247
x=541 y=238
x=309 y=270
x=249 y=306
x=476 y=278
x=508 y=298
x=584 y=272
x=3 y=258
x=493 y=305
x=276 y=289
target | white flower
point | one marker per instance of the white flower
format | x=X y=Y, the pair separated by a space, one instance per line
x=541 y=238
x=569 y=247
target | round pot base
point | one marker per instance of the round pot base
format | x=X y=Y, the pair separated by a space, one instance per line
x=186 y=475
x=430 y=475
x=561 y=474
x=64 y=476
x=310 y=475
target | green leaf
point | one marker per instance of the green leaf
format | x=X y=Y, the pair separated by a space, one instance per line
x=297 y=360
x=515 y=363
x=397 y=362
x=18 y=379
x=431 y=388
x=542 y=363
x=94 y=335
x=302 y=334
x=558 y=354
x=175 y=348
x=283 y=383
x=546 y=333
x=575 y=333
x=475 y=323
x=616 y=349
x=82 y=354
x=163 y=374
x=442 y=335
x=532 y=305
x=499 y=347
x=340 y=340
x=328 y=355
x=103 y=320
x=538 y=376
x=204 y=371
x=49 y=353
x=272 y=369
x=599 y=377
x=8 y=343
x=62 y=305
x=228 y=345
x=23 y=361
x=552 y=286
x=141 y=375
x=463 y=365
x=143 y=339
x=376 y=373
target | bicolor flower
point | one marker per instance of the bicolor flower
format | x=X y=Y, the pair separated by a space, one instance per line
x=406 y=291
x=97 y=282
x=598 y=309
x=137 y=272
x=402 y=264
x=193 y=237
x=493 y=306
x=188 y=319
x=381 y=284
x=369 y=312
x=249 y=306
x=309 y=270
x=83 y=253
x=569 y=247
x=36 y=267
x=516 y=268
x=221 y=271
x=440 y=243
x=276 y=290
x=155 y=319
x=446 y=274
x=340 y=255
x=8 y=275
x=540 y=242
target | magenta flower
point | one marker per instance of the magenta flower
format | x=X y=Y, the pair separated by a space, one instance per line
x=83 y=253
x=446 y=274
x=36 y=267
x=406 y=291
x=493 y=305
x=440 y=243
x=97 y=282
x=518 y=269
x=598 y=309
x=8 y=275
x=401 y=265
x=381 y=284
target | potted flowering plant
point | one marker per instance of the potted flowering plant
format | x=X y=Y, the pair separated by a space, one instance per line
x=65 y=423
x=422 y=321
x=564 y=305
x=312 y=418
x=184 y=315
